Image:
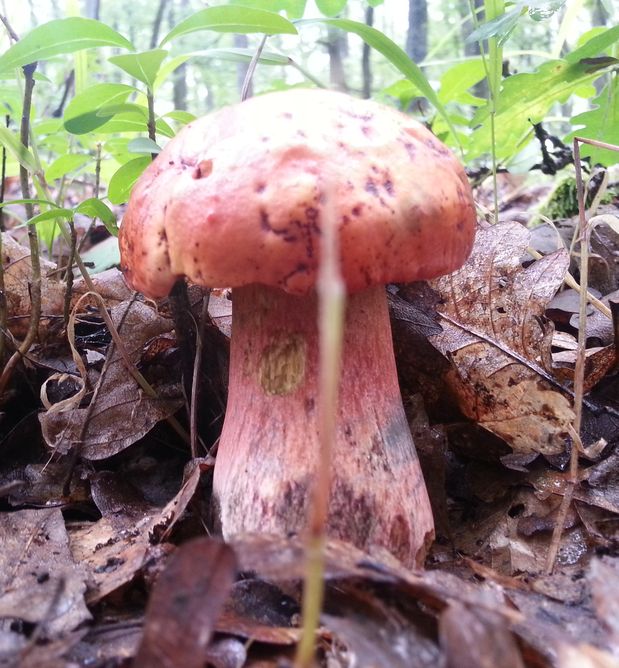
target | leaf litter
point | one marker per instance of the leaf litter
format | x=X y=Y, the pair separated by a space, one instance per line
x=490 y=403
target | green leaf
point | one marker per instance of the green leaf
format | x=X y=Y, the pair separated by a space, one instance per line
x=601 y=124
x=11 y=143
x=168 y=67
x=10 y=100
x=595 y=45
x=294 y=8
x=457 y=80
x=52 y=214
x=95 y=208
x=500 y=27
x=377 y=40
x=526 y=99
x=123 y=180
x=126 y=108
x=134 y=121
x=66 y=164
x=142 y=66
x=182 y=117
x=58 y=37
x=375 y=3
x=143 y=145
x=228 y=18
x=540 y=11
x=46 y=202
x=240 y=55
x=403 y=91
x=331 y=7
x=83 y=115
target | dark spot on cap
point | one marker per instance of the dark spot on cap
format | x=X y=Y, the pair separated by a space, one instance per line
x=356 y=210
x=264 y=221
x=370 y=187
x=202 y=169
x=260 y=187
x=388 y=186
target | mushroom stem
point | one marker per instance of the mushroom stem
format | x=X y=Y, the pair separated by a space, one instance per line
x=269 y=446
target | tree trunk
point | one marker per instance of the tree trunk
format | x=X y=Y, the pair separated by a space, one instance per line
x=179 y=77
x=417 y=36
x=154 y=37
x=366 y=66
x=337 y=48
x=92 y=9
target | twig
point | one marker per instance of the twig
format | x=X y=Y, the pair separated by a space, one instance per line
x=35 y=285
x=193 y=406
x=566 y=502
x=12 y=34
x=69 y=274
x=584 y=229
x=95 y=193
x=252 y=68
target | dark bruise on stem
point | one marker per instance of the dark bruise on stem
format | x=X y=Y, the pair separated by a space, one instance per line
x=35 y=285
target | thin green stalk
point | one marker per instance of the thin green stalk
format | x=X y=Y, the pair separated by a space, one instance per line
x=331 y=310
x=493 y=67
x=493 y=9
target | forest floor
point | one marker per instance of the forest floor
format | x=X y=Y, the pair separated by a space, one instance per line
x=104 y=513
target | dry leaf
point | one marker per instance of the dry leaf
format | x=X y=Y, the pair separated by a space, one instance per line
x=185 y=603
x=476 y=639
x=495 y=333
x=121 y=413
x=114 y=548
x=17 y=279
x=39 y=581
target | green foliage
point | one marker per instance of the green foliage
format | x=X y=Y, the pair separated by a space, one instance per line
x=122 y=182
x=562 y=202
x=60 y=37
x=142 y=66
x=396 y=56
x=601 y=124
x=229 y=18
x=14 y=146
x=87 y=110
x=95 y=208
x=527 y=98
x=331 y=7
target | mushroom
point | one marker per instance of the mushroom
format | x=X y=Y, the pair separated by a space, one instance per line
x=235 y=200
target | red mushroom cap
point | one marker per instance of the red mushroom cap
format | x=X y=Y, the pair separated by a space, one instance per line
x=236 y=198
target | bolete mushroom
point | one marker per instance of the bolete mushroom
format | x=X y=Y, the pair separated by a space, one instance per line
x=235 y=200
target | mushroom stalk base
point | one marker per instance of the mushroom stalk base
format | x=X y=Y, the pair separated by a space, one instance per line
x=269 y=445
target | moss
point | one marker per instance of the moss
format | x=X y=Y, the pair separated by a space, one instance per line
x=563 y=202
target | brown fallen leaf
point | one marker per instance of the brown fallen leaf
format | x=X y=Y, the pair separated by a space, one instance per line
x=115 y=548
x=498 y=340
x=184 y=605
x=121 y=414
x=367 y=633
x=40 y=582
x=585 y=656
x=17 y=270
x=475 y=639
